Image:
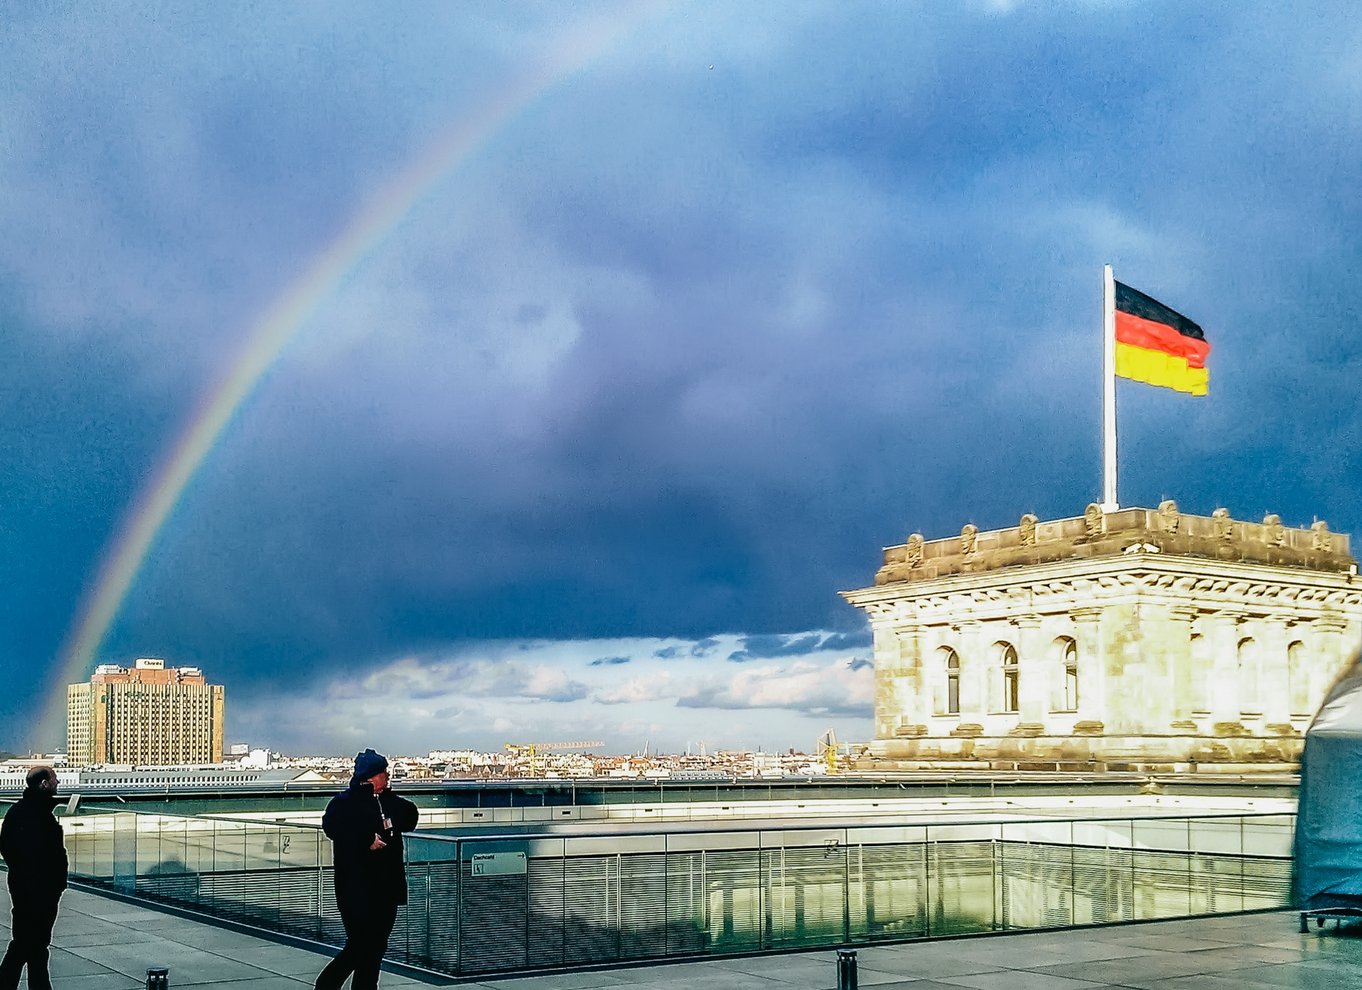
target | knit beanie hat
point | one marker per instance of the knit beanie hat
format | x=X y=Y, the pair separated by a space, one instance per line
x=368 y=764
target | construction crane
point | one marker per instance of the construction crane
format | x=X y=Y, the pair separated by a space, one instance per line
x=532 y=750
x=826 y=750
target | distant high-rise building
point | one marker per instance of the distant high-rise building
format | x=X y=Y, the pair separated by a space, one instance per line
x=149 y=714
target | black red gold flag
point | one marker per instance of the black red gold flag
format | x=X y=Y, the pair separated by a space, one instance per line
x=1158 y=345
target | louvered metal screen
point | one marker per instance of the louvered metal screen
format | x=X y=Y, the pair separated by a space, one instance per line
x=643 y=906
x=493 y=921
x=548 y=925
x=442 y=917
x=591 y=909
x=686 y=915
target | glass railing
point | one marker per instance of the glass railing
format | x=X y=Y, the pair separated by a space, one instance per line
x=485 y=905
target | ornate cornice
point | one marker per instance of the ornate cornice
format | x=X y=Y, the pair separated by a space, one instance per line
x=1058 y=588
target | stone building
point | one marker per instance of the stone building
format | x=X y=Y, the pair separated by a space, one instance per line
x=1137 y=638
x=149 y=714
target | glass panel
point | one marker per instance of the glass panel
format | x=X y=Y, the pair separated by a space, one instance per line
x=1103 y=885
x=687 y=929
x=889 y=884
x=1165 y=834
x=1036 y=883
x=733 y=899
x=1161 y=884
x=1269 y=835
x=807 y=895
x=961 y=888
x=124 y=852
x=1216 y=835
x=592 y=899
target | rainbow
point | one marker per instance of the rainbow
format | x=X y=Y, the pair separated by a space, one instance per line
x=127 y=553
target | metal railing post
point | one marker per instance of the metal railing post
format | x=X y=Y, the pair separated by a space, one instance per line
x=846 y=969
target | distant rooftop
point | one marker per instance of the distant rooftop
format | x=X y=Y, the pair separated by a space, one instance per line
x=1096 y=533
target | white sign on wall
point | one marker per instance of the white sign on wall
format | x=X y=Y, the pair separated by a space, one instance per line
x=499 y=864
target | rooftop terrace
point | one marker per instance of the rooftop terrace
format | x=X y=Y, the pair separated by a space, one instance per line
x=107 y=943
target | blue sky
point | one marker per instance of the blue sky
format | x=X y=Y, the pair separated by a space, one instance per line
x=659 y=369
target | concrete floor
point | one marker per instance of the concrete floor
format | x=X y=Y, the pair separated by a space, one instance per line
x=108 y=944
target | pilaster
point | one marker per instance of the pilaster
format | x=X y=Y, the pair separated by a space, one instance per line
x=1221 y=630
x=1274 y=678
x=1033 y=669
x=973 y=672
x=1332 y=651
x=1183 y=680
x=912 y=691
x=886 y=670
x=1092 y=679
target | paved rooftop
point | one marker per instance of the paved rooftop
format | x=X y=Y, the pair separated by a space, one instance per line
x=107 y=944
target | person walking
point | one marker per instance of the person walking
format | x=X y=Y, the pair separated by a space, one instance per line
x=365 y=823
x=32 y=846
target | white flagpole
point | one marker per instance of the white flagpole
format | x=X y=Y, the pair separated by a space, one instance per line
x=1109 y=503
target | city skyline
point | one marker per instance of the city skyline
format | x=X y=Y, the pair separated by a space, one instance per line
x=656 y=327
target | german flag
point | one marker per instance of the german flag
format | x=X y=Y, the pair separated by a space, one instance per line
x=1154 y=344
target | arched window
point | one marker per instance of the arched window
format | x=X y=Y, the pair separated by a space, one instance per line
x=1068 y=654
x=1298 y=678
x=952 y=682
x=1011 y=678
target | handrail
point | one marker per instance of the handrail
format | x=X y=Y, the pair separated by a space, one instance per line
x=721 y=826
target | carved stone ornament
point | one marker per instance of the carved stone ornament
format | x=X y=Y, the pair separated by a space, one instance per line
x=1027 y=530
x=913 y=552
x=969 y=537
x=1093 y=519
x=1221 y=524
x=1169 y=515
x=1319 y=536
x=1276 y=532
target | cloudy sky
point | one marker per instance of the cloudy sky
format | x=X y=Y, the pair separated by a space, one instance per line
x=717 y=300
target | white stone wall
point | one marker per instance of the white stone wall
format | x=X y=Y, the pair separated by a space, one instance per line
x=1166 y=647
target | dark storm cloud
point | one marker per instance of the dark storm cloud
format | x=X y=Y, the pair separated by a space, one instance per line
x=673 y=371
x=698 y=649
x=767 y=647
x=846 y=641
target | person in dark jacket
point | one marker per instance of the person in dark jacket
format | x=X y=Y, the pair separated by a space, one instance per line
x=33 y=850
x=365 y=824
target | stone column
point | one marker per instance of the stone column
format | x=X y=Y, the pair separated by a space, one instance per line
x=1033 y=669
x=1092 y=679
x=1221 y=630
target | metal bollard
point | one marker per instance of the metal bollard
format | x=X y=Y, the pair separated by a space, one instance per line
x=846 y=969
x=158 y=978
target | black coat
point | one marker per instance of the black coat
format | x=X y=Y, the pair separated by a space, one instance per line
x=368 y=877
x=32 y=847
